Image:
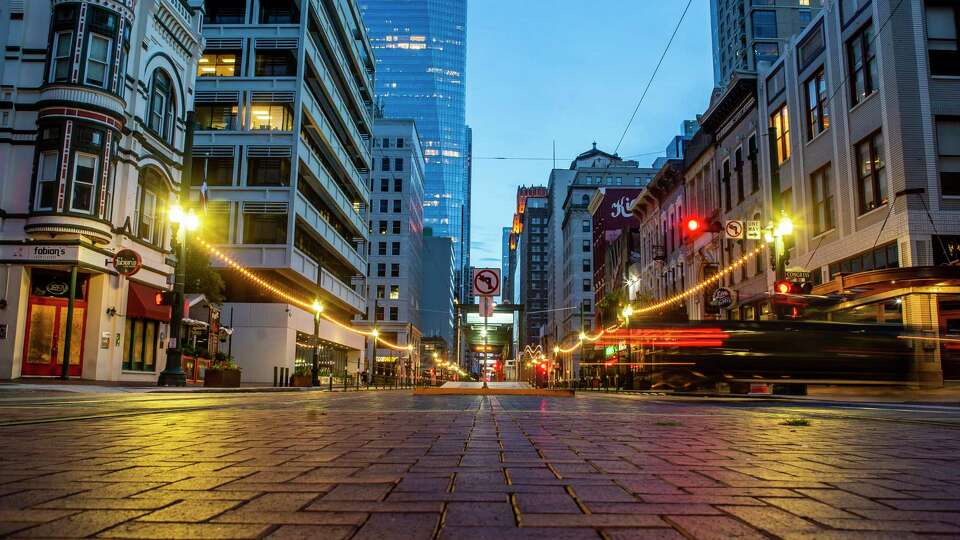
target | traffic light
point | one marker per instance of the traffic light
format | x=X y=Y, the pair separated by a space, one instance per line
x=164 y=298
x=792 y=287
x=694 y=225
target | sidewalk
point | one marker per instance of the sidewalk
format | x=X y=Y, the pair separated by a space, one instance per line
x=80 y=386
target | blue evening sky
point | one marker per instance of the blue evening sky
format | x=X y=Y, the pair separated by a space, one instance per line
x=539 y=70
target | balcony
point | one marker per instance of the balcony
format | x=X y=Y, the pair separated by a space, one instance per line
x=311 y=270
x=325 y=130
x=331 y=89
x=333 y=241
x=333 y=191
x=328 y=30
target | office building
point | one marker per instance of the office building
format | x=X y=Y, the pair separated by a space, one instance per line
x=749 y=35
x=437 y=286
x=284 y=123
x=420 y=48
x=506 y=274
x=396 y=246
x=93 y=113
x=531 y=258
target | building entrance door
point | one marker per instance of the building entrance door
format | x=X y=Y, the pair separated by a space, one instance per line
x=46 y=334
x=950 y=350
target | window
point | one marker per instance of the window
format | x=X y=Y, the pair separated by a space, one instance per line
x=586 y=246
x=381 y=270
x=62 y=51
x=381 y=292
x=943 y=20
x=223 y=12
x=754 y=156
x=395 y=248
x=849 y=8
x=161 y=106
x=395 y=290
x=384 y=185
x=385 y=164
x=219 y=64
x=397 y=206
x=47 y=181
x=279 y=12
x=818 y=108
x=862 y=64
x=98 y=59
x=381 y=248
x=586 y=285
x=264 y=228
x=585 y=225
x=586 y=265
x=275 y=63
x=398 y=185
x=948 y=148
x=876 y=259
x=269 y=171
x=383 y=206
x=140 y=344
x=764 y=51
x=780 y=123
x=216 y=117
x=217 y=171
x=386 y=142
x=150 y=226
x=805 y=16
x=272 y=117
x=725 y=180
x=394 y=313
x=738 y=167
x=764 y=23
x=85 y=168
x=396 y=227
x=776 y=84
x=395 y=270
x=378 y=315
x=398 y=164
x=822 y=196
x=399 y=142
x=586 y=305
x=871 y=174
x=382 y=227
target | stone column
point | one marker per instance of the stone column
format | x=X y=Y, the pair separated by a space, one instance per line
x=921 y=313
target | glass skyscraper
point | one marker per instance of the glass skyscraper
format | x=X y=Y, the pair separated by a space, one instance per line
x=421 y=55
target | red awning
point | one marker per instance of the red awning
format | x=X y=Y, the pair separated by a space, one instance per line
x=142 y=304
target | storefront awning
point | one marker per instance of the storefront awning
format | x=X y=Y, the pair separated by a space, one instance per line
x=142 y=304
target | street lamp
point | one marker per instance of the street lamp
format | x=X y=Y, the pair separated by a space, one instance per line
x=172 y=374
x=775 y=235
x=317 y=309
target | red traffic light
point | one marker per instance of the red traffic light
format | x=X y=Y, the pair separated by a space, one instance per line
x=694 y=225
x=782 y=287
x=792 y=287
x=163 y=298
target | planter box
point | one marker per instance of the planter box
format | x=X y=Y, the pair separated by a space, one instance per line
x=300 y=381
x=222 y=378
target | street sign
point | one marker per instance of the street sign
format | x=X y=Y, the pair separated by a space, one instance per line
x=127 y=262
x=754 y=232
x=486 y=281
x=734 y=229
x=797 y=274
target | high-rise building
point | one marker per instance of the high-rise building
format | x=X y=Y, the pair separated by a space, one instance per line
x=420 y=48
x=284 y=122
x=751 y=34
x=396 y=246
x=93 y=107
x=528 y=262
x=505 y=273
x=436 y=301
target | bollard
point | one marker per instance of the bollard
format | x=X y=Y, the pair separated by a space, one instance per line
x=275 y=375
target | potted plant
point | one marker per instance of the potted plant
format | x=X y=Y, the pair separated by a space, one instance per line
x=222 y=373
x=301 y=376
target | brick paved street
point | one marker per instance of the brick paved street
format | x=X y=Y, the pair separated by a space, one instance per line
x=390 y=465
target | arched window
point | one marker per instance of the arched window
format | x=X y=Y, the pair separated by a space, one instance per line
x=161 y=117
x=152 y=198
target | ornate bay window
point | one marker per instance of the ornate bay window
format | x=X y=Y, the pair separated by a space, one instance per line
x=103 y=41
x=162 y=106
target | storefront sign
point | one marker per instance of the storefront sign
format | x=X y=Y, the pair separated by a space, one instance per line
x=53 y=254
x=127 y=262
x=723 y=298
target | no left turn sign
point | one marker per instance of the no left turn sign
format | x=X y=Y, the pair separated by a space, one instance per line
x=486 y=281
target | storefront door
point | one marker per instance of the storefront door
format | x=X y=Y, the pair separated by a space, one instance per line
x=46 y=334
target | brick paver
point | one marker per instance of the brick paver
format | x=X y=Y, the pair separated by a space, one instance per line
x=389 y=465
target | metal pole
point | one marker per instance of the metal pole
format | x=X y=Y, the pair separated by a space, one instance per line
x=485 y=332
x=315 y=374
x=230 y=337
x=581 y=341
x=172 y=374
x=68 y=336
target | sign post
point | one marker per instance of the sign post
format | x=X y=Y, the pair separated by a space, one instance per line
x=485 y=285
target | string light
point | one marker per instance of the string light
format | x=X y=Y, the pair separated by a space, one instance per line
x=310 y=306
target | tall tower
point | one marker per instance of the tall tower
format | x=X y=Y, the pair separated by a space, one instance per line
x=420 y=50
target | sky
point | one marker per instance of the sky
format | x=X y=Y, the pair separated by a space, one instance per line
x=572 y=71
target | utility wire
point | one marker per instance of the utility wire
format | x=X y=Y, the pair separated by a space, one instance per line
x=523 y=158
x=653 y=75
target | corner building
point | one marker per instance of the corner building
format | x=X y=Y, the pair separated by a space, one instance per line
x=93 y=106
x=283 y=140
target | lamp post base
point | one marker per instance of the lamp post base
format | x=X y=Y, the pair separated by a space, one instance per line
x=172 y=378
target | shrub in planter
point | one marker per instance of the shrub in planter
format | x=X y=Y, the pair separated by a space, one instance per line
x=222 y=374
x=301 y=376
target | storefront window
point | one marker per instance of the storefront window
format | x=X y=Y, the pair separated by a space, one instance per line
x=140 y=344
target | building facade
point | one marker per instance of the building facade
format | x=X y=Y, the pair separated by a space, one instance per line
x=284 y=124
x=93 y=109
x=750 y=34
x=421 y=74
x=396 y=246
x=532 y=266
x=437 y=315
